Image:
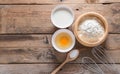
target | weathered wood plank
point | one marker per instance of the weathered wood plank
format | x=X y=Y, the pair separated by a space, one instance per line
x=30 y=55
x=55 y=1
x=36 y=18
x=29 y=1
x=45 y=55
x=47 y=69
x=113 y=41
x=38 y=49
x=44 y=41
x=25 y=41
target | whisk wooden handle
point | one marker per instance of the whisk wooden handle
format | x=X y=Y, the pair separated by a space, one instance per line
x=59 y=67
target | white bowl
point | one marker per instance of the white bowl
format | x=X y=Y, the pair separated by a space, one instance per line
x=65 y=31
x=62 y=16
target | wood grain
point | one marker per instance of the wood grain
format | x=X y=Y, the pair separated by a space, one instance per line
x=26 y=31
x=55 y=1
x=114 y=41
x=47 y=69
x=38 y=49
x=25 y=41
x=44 y=41
x=36 y=18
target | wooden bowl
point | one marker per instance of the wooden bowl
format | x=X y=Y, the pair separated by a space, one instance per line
x=100 y=19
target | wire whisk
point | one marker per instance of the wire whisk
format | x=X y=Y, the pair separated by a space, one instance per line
x=91 y=65
x=99 y=53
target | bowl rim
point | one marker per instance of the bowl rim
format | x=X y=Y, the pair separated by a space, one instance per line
x=66 y=31
x=65 y=8
x=101 y=18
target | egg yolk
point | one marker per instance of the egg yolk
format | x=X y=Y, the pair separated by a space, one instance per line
x=64 y=40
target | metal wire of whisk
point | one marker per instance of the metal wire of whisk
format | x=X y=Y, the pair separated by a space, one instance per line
x=91 y=65
x=99 y=53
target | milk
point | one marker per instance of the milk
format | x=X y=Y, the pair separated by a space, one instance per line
x=62 y=18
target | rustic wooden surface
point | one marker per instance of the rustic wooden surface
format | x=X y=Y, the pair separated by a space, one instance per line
x=26 y=30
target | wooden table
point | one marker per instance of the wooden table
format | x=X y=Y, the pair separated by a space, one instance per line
x=26 y=30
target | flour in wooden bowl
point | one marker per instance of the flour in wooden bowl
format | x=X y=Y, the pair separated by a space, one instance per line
x=90 y=30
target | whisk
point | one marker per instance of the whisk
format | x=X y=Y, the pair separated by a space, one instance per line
x=99 y=53
x=92 y=67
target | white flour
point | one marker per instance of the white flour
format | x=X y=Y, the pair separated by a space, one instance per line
x=74 y=54
x=90 y=30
